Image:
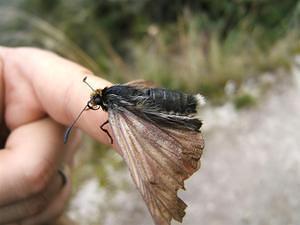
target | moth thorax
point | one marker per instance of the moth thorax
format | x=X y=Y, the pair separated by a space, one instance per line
x=96 y=92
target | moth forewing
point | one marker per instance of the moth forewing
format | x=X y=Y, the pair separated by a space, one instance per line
x=159 y=160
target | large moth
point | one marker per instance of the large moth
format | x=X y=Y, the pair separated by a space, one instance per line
x=158 y=134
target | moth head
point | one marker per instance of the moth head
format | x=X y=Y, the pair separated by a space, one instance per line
x=96 y=100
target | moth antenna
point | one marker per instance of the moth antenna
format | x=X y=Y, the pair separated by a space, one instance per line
x=68 y=131
x=84 y=80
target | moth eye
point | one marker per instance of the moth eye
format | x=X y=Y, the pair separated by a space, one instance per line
x=97 y=100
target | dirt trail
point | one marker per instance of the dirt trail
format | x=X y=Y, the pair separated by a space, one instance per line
x=251 y=168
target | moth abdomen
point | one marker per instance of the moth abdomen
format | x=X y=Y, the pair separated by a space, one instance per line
x=173 y=101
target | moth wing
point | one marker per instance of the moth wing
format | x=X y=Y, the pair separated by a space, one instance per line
x=159 y=160
x=141 y=84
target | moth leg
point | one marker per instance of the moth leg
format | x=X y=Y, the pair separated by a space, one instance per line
x=106 y=131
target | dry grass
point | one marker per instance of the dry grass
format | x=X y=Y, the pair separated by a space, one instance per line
x=195 y=61
x=180 y=57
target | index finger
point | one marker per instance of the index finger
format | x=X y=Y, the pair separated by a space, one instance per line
x=58 y=90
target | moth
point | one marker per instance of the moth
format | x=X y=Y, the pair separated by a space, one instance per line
x=158 y=134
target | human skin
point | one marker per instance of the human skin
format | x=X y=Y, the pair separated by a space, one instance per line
x=40 y=94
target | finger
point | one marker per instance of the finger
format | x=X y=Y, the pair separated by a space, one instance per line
x=34 y=205
x=3 y=129
x=58 y=89
x=53 y=210
x=31 y=157
x=72 y=147
x=1 y=90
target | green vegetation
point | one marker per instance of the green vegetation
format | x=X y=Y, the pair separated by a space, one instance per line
x=196 y=46
x=244 y=101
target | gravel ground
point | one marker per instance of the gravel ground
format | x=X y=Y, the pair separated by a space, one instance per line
x=250 y=171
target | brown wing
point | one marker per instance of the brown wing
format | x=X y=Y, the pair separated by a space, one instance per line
x=159 y=160
x=142 y=84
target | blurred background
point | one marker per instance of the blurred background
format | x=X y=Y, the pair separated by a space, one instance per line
x=242 y=55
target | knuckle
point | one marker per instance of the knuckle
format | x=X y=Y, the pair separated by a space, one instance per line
x=37 y=179
x=36 y=206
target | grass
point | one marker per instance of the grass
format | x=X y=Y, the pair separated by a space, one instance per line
x=244 y=101
x=179 y=56
x=191 y=61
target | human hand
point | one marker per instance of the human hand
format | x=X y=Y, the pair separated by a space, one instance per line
x=39 y=93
